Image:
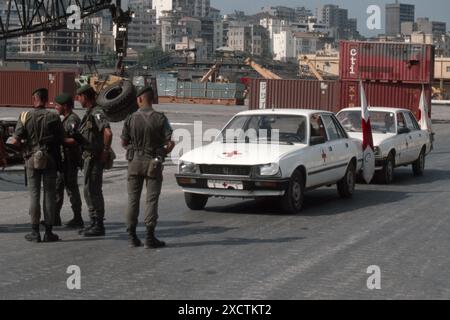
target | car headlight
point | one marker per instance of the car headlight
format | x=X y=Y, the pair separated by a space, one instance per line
x=188 y=167
x=269 y=170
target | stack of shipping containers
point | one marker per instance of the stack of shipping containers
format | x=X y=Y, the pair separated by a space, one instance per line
x=172 y=90
x=393 y=75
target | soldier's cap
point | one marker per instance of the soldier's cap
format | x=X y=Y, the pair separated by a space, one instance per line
x=64 y=98
x=43 y=90
x=83 y=89
x=144 y=90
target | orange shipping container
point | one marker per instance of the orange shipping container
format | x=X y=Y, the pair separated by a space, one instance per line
x=16 y=87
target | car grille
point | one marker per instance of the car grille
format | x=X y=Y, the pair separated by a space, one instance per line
x=226 y=170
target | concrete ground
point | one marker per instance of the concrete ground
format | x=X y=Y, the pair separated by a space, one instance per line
x=244 y=249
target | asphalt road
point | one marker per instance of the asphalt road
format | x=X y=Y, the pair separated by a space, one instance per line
x=245 y=249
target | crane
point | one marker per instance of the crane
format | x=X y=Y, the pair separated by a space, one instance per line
x=267 y=74
x=312 y=67
x=211 y=73
x=36 y=16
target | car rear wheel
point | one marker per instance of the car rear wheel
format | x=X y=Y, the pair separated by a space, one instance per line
x=195 y=201
x=346 y=186
x=419 y=164
x=387 y=174
x=292 y=201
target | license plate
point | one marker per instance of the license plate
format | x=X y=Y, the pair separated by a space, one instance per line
x=230 y=185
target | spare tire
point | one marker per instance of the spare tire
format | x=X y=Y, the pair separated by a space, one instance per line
x=120 y=115
x=118 y=100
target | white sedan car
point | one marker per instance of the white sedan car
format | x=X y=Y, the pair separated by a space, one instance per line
x=397 y=138
x=272 y=153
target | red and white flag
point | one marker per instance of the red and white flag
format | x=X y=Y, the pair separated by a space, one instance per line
x=424 y=121
x=368 y=148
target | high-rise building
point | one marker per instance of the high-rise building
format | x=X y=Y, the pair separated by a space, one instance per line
x=77 y=43
x=190 y=8
x=337 y=21
x=251 y=39
x=396 y=14
x=425 y=26
x=143 y=32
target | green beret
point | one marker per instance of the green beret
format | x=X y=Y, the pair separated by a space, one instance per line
x=84 y=89
x=64 y=98
x=144 y=90
x=43 y=90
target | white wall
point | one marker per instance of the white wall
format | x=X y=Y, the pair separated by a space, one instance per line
x=162 y=5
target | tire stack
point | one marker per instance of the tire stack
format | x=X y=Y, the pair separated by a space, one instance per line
x=118 y=100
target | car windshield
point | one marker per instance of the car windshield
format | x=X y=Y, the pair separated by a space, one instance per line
x=382 y=122
x=283 y=129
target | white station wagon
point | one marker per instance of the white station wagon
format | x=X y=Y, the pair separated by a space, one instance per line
x=397 y=138
x=272 y=153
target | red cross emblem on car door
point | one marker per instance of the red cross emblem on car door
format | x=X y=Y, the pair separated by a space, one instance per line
x=324 y=156
x=231 y=154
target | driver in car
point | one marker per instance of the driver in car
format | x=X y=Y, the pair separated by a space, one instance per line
x=389 y=122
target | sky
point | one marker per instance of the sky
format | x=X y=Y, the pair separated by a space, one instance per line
x=436 y=10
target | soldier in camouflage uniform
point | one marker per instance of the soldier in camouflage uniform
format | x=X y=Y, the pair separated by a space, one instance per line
x=71 y=154
x=96 y=143
x=147 y=137
x=42 y=133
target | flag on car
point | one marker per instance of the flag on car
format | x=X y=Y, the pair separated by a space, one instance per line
x=424 y=121
x=368 y=148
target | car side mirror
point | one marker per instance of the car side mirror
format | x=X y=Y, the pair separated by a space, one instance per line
x=315 y=140
x=403 y=130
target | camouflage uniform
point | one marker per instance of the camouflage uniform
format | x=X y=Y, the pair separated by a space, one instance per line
x=92 y=126
x=146 y=132
x=31 y=127
x=68 y=178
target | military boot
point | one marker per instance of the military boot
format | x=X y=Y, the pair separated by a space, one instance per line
x=133 y=240
x=151 y=242
x=76 y=223
x=49 y=236
x=34 y=236
x=97 y=230
x=89 y=227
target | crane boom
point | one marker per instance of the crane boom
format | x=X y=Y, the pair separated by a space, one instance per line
x=312 y=67
x=267 y=74
x=210 y=72
x=45 y=15
x=50 y=15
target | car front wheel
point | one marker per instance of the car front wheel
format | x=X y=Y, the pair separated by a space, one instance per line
x=292 y=201
x=195 y=201
x=346 y=186
x=419 y=164
x=387 y=174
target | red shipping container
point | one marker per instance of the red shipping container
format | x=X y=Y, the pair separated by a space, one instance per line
x=397 y=62
x=334 y=95
x=292 y=94
x=393 y=95
x=16 y=87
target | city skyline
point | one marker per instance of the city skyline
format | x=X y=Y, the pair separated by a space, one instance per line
x=357 y=9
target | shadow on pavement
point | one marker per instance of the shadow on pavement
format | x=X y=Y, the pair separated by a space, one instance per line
x=234 y=242
x=405 y=177
x=320 y=202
